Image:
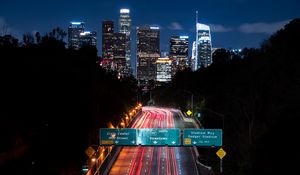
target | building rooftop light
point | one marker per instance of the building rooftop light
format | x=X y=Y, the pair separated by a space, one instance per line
x=202 y=27
x=184 y=37
x=124 y=11
x=76 y=23
x=154 y=28
x=85 y=33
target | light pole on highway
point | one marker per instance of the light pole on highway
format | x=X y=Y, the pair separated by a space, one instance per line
x=222 y=116
x=192 y=101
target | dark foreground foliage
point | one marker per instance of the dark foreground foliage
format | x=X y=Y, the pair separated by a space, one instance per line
x=53 y=101
x=256 y=95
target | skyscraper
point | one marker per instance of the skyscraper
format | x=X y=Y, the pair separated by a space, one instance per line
x=74 y=30
x=148 y=51
x=164 y=70
x=179 y=52
x=194 y=56
x=125 y=27
x=119 y=52
x=88 y=38
x=107 y=39
x=204 y=57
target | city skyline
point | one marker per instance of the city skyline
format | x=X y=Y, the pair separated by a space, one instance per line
x=233 y=23
x=210 y=79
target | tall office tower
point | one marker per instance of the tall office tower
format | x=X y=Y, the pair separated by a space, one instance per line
x=74 y=30
x=179 y=52
x=125 y=27
x=164 y=70
x=193 y=58
x=107 y=39
x=88 y=38
x=204 y=57
x=148 y=51
x=119 y=52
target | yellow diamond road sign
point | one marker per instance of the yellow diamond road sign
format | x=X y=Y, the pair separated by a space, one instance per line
x=189 y=112
x=90 y=151
x=221 y=153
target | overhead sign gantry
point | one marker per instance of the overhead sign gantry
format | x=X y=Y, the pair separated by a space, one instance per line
x=160 y=137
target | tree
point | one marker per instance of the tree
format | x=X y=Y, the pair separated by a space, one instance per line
x=38 y=37
x=3 y=30
x=8 y=41
x=221 y=56
x=258 y=97
x=65 y=98
x=28 y=39
x=58 y=33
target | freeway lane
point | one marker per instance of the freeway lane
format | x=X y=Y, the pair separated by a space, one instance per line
x=161 y=160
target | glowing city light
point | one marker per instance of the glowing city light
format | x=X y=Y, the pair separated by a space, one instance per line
x=124 y=11
x=154 y=28
x=184 y=37
x=202 y=27
x=76 y=23
x=85 y=33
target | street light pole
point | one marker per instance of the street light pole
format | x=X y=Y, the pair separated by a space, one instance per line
x=222 y=116
x=191 y=100
x=192 y=104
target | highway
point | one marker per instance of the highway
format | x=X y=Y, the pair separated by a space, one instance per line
x=156 y=160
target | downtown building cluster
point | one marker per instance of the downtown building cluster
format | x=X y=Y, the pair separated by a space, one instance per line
x=116 y=46
x=151 y=65
x=78 y=37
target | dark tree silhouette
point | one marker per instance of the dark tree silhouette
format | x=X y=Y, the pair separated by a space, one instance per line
x=38 y=37
x=54 y=102
x=28 y=39
x=257 y=94
x=8 y=41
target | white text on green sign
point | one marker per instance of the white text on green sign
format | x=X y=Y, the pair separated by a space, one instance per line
x=159 y=137
x=202 y=137
x=117 y=136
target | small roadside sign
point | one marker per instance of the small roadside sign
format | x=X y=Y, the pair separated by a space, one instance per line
x=221 y=153
x=90 y=151
x=189 y=112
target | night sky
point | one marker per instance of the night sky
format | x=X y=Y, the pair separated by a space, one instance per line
x=234 y=23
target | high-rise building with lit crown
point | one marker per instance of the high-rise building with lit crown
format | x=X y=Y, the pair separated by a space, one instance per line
x=107 y=39
x=204 y=45
x=179 y=52
x=74 y=30
x=148 y=51
x=125 y=27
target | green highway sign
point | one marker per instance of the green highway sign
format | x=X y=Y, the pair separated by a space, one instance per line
x=159 y=137
x=202 y=137
x=126 y=136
